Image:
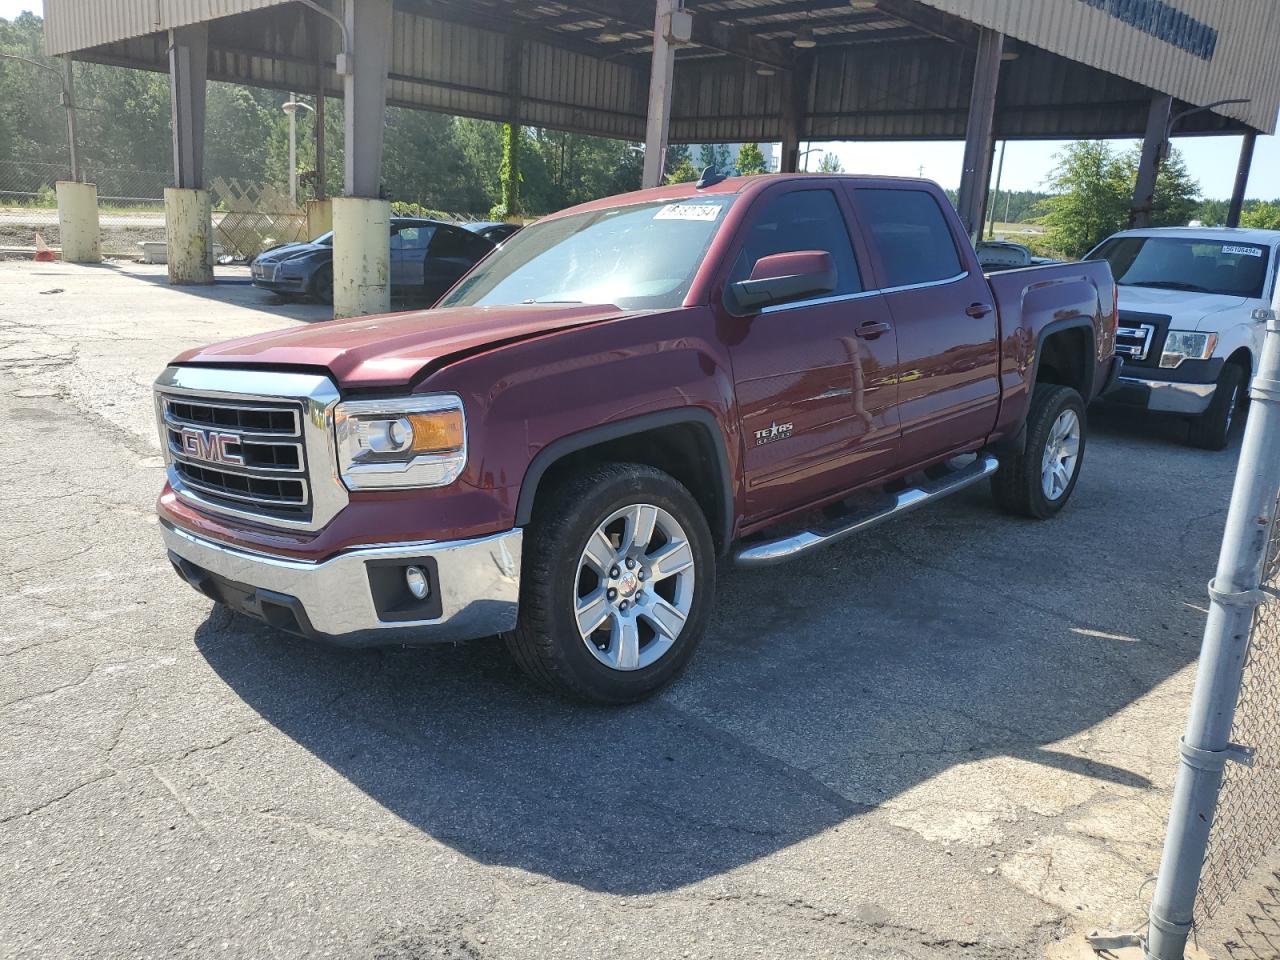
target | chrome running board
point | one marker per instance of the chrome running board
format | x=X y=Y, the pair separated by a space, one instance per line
x=763 y=554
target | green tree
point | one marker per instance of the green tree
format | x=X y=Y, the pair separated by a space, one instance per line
x=715 y=155
x=1177 y=194
x=830 y=163
x=1092 y=191
x=683 y=172
x=751 y=160
x=1262 y=216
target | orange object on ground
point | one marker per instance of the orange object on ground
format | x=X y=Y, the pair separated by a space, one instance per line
x=44 y=253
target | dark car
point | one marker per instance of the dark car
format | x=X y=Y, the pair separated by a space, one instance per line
x=427 y=257
x=492 y=230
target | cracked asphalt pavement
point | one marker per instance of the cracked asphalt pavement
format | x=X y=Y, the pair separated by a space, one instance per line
x=953 y=736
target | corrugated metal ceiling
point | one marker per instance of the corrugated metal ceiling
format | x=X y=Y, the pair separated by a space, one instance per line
x=882 y=69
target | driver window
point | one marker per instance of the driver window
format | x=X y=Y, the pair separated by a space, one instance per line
x=801 y=220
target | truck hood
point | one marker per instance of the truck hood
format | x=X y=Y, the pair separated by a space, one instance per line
x=391 y=349
x=1189 y=310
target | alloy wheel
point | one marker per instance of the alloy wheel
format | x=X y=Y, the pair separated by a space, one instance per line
x=634 y=587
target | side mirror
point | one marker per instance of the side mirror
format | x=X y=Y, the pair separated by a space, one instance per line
x=784 y=277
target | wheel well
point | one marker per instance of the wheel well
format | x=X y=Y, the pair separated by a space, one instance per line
x=1243 y=359
x=686 y=451
x=1065 y=359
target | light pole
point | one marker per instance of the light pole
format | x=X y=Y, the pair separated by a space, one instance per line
x=804 y=158
x=64 y=77
x=291 y=108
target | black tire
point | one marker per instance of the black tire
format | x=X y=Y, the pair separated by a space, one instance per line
x=322 y=285
x=1018 y=485
x=1212 y=429
x=547 y=643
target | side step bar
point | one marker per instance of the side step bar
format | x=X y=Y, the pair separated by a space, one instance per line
x=894 y=505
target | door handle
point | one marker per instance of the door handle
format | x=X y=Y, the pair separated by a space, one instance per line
x=978 y=310
x=871 y=329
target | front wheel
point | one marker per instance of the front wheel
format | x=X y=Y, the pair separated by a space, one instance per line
x=322 y=285
x=1038 y=481
x=1212 y=429
x=617 y=584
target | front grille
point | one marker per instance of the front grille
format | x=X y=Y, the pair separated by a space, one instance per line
x=245 y=455
x=1140 y=338
x=1134 y=343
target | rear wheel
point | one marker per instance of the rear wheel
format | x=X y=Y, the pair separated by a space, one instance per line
x=1212 y=429
x=1039 y=480
x=617 y=585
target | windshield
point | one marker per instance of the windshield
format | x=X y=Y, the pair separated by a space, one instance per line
x=640 y=256
x=325 y=239
x=1230 y=268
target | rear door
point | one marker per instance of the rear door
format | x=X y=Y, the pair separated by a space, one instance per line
x=408 y=252
x=814 y=378
x=945 y=317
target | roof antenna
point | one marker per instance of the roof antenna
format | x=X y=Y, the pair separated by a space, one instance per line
x=710 y=177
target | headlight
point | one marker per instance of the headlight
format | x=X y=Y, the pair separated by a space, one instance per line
x=414 y=442
x=1182 y=345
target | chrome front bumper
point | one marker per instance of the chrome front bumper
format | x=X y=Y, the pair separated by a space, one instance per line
x=352 y=597
x=1160 y=395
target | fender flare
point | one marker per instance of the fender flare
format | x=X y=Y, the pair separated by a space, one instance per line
x=1058 y=326
x=557 y=450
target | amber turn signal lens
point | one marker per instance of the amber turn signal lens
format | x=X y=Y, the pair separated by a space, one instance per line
x=437 y=432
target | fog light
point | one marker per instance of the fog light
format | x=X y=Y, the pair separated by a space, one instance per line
x=415 y=578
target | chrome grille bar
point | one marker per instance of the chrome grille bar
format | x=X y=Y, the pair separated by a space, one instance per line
x=256 y=445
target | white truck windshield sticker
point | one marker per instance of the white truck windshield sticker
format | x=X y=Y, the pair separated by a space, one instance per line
x=1229 y=250
x=688 y=211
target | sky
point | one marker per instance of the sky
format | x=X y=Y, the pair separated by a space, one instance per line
x=1211 y=160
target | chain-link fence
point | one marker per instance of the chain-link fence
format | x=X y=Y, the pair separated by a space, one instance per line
x=1246 y=824
x=1225 y=814
x=130 y=204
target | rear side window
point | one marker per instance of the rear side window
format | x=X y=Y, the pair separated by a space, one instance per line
x=801 y=220
x=912 y=235
x=459 y=244
x=411 y=238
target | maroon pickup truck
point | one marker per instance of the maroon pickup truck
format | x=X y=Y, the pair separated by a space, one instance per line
x=623 y=394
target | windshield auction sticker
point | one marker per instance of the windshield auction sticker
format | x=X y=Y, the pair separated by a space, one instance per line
x=1229 y=250
x=689 y=211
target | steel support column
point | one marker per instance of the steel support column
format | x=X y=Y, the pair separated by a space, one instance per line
x=365 y=94
x=661 y=73
x=1155 y=146
x=979 y=142
x=188 y=76
x=1242 y=178
x=795 y=106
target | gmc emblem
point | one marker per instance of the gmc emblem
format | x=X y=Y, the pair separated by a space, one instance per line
x=211 y=445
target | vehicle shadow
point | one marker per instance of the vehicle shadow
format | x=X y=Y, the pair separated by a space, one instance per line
x=823 y=690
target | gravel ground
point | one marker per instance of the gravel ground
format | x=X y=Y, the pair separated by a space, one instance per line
x=951 y=737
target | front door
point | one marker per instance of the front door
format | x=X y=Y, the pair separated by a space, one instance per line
x=815 y=379
x=943 y=311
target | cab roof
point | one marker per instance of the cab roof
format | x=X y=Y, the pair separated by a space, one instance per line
x=1223 y=234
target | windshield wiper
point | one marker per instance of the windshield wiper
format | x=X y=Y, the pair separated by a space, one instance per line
x=1169 y=285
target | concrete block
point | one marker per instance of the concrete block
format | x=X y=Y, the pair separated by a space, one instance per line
x=361 y=256
x=189 y=234
x=78 y=222
x=319 y=217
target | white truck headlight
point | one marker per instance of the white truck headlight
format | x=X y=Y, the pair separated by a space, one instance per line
x=1182 y=345
x=410 y=442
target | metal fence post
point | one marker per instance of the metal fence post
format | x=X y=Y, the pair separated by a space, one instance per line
x=1234 y=594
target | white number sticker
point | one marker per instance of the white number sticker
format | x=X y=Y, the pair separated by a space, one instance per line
x=688 y=211
x=1235 y=251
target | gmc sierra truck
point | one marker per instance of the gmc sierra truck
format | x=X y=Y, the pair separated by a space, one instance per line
x=623 y=394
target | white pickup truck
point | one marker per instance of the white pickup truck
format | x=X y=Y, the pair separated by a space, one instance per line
x=1192 y=315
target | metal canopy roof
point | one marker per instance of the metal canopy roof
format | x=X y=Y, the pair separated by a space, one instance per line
x=880 y=70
